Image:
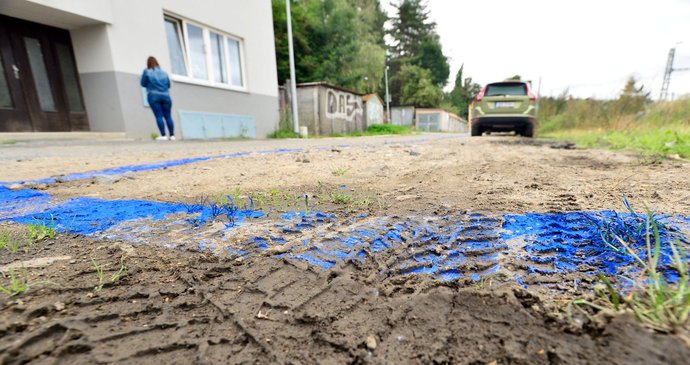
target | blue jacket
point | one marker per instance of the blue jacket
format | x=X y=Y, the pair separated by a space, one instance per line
x=155 y=81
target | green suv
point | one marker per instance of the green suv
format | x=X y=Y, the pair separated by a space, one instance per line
x=504 y=106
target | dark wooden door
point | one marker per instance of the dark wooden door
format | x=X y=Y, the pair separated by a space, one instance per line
x=44 y=72
x=14 y=116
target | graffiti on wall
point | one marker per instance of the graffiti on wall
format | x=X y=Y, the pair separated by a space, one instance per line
x=343 y=105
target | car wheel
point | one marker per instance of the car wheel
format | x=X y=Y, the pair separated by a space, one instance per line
x=475 y=130
x=528 y=131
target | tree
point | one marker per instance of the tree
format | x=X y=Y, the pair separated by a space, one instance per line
x=463 y=92
x=338 y=41
x=633 y=99
x=419 y=89
x=415 y=42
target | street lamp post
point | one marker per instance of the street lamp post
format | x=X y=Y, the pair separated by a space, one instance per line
x=293 y=81
x=388 y=98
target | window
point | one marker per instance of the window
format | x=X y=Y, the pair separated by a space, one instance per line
x=173 y=31
x=199 y=54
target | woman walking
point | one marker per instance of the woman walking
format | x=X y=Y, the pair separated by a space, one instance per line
x=157 y=85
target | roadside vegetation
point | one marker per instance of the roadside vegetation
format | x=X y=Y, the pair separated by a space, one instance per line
x=631 y=122
x=377 y=130
x=660 y=302
x=372 y=130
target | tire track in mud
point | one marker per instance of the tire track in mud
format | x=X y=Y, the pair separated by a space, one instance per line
x=557 y=250
x=179 y=307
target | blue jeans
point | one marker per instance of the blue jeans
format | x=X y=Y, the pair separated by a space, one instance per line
x=161 y=104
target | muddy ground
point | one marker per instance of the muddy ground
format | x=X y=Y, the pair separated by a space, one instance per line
x=184 y=305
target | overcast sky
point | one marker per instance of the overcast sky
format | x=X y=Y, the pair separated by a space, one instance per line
x=590 y=47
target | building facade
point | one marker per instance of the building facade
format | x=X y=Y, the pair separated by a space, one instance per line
x=75 y=65
x=327 y=109
x=373 y=109
x=439 y=120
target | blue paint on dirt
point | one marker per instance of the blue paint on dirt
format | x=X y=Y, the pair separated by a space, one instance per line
x=120 y=170
x=88 y=215
x=586 y=241
x=447 y=248
x=21 y=201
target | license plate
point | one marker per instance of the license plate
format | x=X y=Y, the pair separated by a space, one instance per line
x=504 y=104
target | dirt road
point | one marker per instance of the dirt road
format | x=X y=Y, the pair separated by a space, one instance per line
x=431 y=248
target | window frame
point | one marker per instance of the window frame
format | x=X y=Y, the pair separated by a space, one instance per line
x=208 y=53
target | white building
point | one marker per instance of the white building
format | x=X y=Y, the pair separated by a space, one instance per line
x=74 y=65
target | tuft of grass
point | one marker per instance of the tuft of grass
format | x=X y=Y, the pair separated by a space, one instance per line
x=655 y=302
x=340 y=197
x=39 y=231
x=340 y=171
x=8 y=141
x=279 y=134
x=13 y=245
x=18 y=283
x=5 y=238
x=100 y=273
x=153 y=136
x=118 y=274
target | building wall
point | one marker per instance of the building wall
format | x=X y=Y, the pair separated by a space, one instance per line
x=374 y=111
x=438 y=120
x=402 y=115
x=340 y=111
x=113 y=38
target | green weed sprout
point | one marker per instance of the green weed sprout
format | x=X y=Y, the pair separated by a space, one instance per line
x=339 y=197
x=340 y=171
x=100 y=273
x=17 y=285
x=40 y=231
x=656 y=303
x=4 y=238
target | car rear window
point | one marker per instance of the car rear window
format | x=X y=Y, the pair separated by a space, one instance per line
x=506 y=89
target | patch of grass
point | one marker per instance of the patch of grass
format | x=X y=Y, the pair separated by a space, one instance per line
x=655 y=302
x=39 y=231
x=377 y=130
x=340 y=197
x=283 y=134
x=5 y=238
x=13 y=245
x=153 y=136
x=652 y=142
x=17 y=283
x=340 y=171
x=8 y=141
x=654 y=128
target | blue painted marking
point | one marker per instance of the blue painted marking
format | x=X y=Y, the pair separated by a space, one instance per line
x=573 y=242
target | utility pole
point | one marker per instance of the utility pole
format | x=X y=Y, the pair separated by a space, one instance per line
x=667 y=74
x=293 y=80
x=388 y=99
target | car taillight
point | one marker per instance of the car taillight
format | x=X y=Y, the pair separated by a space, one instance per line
x=480 y=96
x=532 y=97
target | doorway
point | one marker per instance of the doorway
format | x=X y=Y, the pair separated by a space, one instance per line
x=39 y=83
